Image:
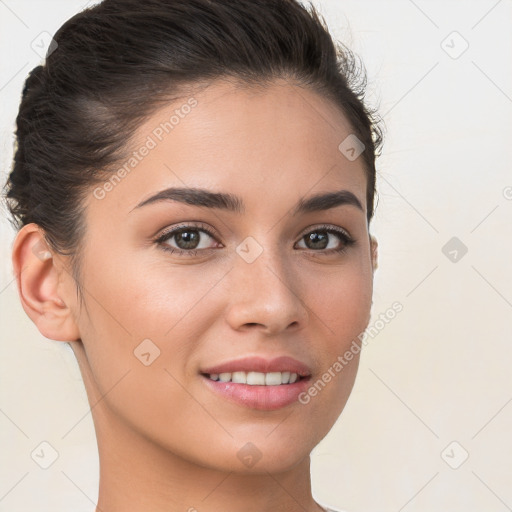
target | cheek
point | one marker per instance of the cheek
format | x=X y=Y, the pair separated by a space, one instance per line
x=340 y=301
x=150 y=298
x=146 y=321
x=342 y=307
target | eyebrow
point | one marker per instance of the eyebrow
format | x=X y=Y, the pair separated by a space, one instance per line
x=232 y=203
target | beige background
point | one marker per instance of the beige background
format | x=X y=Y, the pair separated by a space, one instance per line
x=434 y=383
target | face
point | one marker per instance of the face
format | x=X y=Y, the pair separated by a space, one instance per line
x=199 y=309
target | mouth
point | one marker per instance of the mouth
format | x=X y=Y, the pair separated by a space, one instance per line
x=259 y=383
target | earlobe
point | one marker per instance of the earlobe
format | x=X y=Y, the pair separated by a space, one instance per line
x=374 y=252
x=38 y=282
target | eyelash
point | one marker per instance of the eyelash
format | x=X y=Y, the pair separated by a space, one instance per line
x=346 y=239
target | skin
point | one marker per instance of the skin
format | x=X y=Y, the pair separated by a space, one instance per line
x=166 y=442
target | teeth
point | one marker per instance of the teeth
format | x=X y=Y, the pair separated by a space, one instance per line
x=256 y=378
x=273 y=379
x=238 y=377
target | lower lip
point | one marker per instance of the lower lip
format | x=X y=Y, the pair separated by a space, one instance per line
x=263 y=398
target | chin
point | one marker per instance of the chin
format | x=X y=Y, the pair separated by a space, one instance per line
x=265 y=451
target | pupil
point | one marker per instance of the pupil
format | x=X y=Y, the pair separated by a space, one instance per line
x=314 y=238
x=190 y=239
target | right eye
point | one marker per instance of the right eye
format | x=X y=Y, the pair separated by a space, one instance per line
x=187 y=240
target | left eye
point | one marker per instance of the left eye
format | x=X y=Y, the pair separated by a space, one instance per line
x=326 y=239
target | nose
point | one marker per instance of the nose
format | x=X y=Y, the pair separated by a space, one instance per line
x=265 y=295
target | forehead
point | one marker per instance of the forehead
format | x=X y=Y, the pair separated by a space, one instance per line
x=267 y=144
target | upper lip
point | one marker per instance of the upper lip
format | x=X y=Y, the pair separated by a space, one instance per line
x=260 y=364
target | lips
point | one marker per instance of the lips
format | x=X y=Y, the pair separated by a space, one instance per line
x=258 y=383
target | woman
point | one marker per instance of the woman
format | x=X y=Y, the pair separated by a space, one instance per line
x=193 y=186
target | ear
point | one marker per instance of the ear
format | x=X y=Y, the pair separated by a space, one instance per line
x=374 y=252
x=39 y=279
